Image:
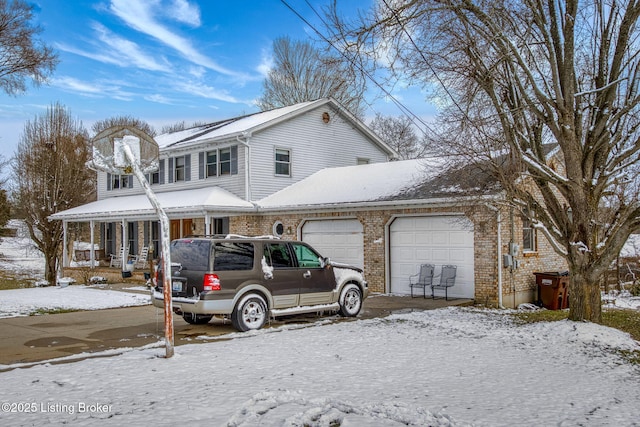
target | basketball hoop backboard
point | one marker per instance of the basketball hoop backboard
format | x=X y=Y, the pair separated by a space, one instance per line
x=107 y=158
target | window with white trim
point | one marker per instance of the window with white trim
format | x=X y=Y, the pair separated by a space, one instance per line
x=283 y=162
x=120 y=181
x=211 y=167
x=179 y=171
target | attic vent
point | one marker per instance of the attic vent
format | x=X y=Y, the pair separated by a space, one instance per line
x=326 y=117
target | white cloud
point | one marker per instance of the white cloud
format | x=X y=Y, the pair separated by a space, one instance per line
x=140 y=16
x=93 y=89
x=157 y=98
x=184 y=12
x=205 y=91
x=266 y=63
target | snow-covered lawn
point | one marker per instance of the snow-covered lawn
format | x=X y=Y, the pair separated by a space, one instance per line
x=24 y=302
x=442 y=367
x=447 y=367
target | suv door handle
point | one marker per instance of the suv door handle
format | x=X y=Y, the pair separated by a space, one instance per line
x=306 y=274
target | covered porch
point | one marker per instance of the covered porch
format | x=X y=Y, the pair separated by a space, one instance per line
x=120 y=227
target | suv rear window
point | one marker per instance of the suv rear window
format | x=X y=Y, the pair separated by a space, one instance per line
x=233 y=256
x=191 y=254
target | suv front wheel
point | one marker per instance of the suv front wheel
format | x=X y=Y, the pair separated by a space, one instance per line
x=350 y=301
x=250 y=313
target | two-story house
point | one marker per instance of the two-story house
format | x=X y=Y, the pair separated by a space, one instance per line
x=314 y=172
x=212 y=173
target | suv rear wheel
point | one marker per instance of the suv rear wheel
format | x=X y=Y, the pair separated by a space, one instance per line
x=350 y=301
x=250 y=313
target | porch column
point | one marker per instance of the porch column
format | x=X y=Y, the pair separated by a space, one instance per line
x=65 y=260
x=207 y=224
x=92 y=251
x=125 y=245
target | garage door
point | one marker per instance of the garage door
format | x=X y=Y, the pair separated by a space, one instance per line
x=339 y=239
x=435 y=240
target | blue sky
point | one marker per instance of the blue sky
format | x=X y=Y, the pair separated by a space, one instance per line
x=165 y=61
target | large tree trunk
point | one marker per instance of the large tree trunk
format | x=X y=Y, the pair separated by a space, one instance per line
x=584 y=293
x=50 y=269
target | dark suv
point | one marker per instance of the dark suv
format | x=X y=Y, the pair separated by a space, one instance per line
x=252 y=279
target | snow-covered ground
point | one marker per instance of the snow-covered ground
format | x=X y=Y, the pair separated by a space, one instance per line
x=19 y=255
x=24 y=302
x=447 y=367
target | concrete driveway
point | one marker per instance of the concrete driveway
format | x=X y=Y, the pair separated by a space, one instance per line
x=28 y=340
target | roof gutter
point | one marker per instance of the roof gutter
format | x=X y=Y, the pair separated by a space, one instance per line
x=378 y=204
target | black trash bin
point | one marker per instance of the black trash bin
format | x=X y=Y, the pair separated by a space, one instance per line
x=553 y=289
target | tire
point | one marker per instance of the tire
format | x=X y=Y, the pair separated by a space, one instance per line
x=350 y=301
x=250 y=313
x=196 y=319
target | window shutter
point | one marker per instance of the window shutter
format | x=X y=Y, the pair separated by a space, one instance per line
x=171 y=171
x=187 y=167
x=161 y=171
x=108 y=181
x=234 y=160
x=130 y=181
x=201 y=165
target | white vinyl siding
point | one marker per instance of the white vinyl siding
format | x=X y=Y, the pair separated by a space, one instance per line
x=324 y=145
x=233 y=183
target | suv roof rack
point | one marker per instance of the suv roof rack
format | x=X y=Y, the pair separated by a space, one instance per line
x=229 y=236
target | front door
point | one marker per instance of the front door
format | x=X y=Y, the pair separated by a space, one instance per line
x=175 y=229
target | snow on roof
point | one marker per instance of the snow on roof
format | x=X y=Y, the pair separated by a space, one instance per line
x=354 y=184
x=199 y=199
x=231 y=127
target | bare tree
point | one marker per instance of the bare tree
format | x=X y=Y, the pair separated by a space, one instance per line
x=400 y=134
x=180 y=126
x=22 y=56
x=101 y=125
x=50 y=175
x=524 y=78
x=303 y=73
x=5 y=208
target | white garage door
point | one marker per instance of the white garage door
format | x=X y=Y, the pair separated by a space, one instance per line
x=435 y=240
x=339 y=239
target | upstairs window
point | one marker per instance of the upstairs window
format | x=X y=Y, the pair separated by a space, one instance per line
x=157 y=177
x=115 y=182
x=212 y=163
x=179 y=170
x=283 y=162
x=225 y=161
x=220 y=162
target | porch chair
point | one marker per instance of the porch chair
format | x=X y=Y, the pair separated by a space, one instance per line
x=422 y=279
x=447 y=280
x=140 y=261
x=117 y=260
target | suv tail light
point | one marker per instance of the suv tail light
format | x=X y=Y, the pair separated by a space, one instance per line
x=211 y=282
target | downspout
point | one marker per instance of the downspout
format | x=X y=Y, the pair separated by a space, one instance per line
x=247 y=162
x=499 y=248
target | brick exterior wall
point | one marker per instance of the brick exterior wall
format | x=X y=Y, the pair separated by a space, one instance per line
x=518 y=284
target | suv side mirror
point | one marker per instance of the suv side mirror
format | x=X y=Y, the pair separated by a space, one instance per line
x=326 y=261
